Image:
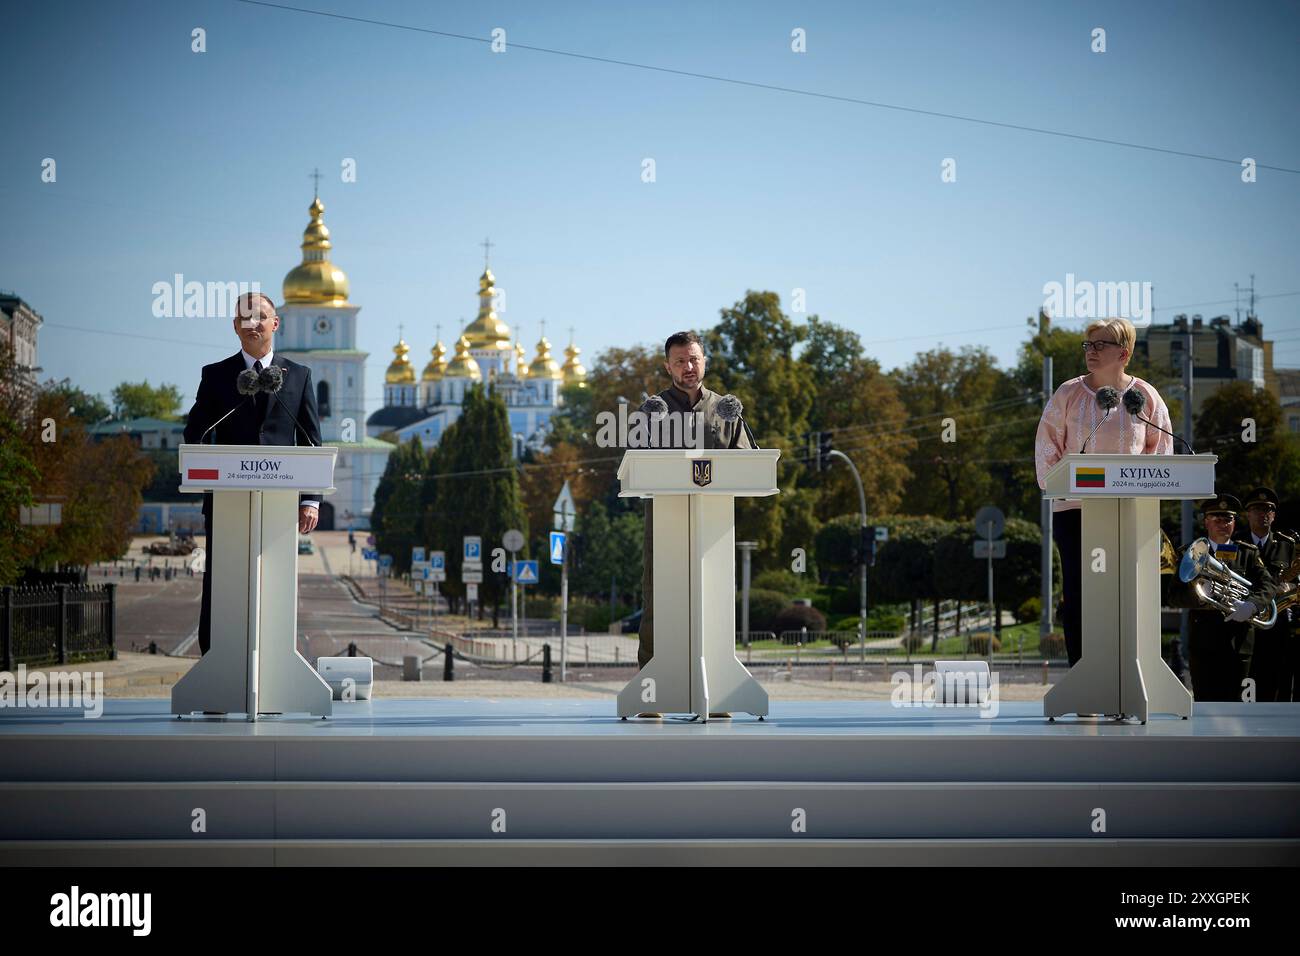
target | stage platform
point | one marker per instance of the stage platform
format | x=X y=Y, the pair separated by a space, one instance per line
x=564 y=781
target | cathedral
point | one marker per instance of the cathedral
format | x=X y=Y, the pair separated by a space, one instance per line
x=423 y=407
x=318 y=329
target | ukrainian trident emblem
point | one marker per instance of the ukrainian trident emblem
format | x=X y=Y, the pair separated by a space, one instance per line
x=702 y=471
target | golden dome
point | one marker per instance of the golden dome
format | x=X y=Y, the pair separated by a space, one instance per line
x=463 y=365
x=437 y=365
x=544 y=366
x=487 y=331
x=316 y=280
x=521 y=360
x=400 y=372
x=574 y=373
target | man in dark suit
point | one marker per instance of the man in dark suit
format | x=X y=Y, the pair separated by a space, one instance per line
x=259 y=419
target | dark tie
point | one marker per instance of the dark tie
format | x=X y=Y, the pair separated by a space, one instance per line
x=262 y=399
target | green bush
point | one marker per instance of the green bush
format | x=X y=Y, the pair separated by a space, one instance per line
x=764 y=606
x=1052 y=646
x=595 y=618
x=979 y=643
x=1030 y=610
x=797 y=616
x=783 y=582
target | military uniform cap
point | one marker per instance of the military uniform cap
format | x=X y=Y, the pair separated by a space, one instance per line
x=1262 y=496
x=1221 y=505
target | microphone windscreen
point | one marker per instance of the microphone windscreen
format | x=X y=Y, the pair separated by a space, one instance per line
x=654 y=405
x=271 y=379
x=1134 y=401
x=246 y=383
x=729 y=408
x=1107 y=397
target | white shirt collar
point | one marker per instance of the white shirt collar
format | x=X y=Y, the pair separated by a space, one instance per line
x=249 y=360
x=1259 y=542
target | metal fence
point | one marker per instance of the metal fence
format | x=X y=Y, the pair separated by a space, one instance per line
x=57 y=624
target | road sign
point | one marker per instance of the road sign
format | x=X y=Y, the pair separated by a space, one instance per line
x=989 y=522
x=417 y=555
x=369 y=554
x=513 y=540
x=557 y=547
x=882 y=533
x=438 y=560
x=473 y=553
x=370 y=540
x=471 y=575
x=565 y=509
x=385 y=560
x=982 y=548
x=525 y=572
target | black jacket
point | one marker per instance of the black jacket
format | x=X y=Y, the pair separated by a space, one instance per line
x=249 y=425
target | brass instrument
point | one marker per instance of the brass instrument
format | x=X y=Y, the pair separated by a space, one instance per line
x=1287 y=576
x=1168 y=557
x=1217 y=584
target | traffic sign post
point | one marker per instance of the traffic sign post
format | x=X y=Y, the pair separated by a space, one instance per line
x=513 y=540
x=989 y=522
x=565 y=511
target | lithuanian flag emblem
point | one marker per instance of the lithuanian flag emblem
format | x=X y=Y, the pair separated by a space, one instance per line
x=1089 y=477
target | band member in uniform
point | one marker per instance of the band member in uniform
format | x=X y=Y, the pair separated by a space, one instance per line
x=1220 y=650
x=1070 y=417
x=1269 y=664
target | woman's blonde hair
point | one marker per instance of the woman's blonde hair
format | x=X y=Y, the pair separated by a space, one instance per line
x=1121 y=332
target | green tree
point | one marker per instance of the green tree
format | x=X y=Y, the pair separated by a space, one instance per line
x=81 y=405
x=1243 y=426
x=958 y=403
x=750 y=353
x=477 y=492
x=20 y=475
x=611 y=550
x=862 y=407
x=142 y=400
x=397 y=517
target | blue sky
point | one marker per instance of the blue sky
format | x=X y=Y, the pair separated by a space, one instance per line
x=171 y=161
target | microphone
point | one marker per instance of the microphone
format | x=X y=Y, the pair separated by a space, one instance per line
x=654 y=405
x=1107 y=398
x=730 y=410
x=1135 y=401
x=271 y=381
x=246 y=385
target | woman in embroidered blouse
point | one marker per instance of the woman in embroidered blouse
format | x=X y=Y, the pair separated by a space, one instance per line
x=1068 y=419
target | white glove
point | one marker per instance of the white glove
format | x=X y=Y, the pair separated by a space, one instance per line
x=1243 y=611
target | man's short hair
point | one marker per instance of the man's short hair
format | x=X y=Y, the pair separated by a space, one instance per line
x=249 y=296
x=682 y=338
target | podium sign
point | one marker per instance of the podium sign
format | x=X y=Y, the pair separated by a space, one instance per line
x=253 y=665
x=1121 y=671
x=1137 y=476
x=695 y=668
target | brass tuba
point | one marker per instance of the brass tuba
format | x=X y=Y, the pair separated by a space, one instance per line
x=1289 y=575
x=1217 y=584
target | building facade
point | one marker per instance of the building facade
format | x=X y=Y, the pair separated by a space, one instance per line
x=1221 y=353
x=424 y=406
x=20 y=325
x=318 y=329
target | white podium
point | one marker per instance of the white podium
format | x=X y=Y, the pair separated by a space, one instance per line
x=695 y=668
x=1121 y=671
x=253 y=666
